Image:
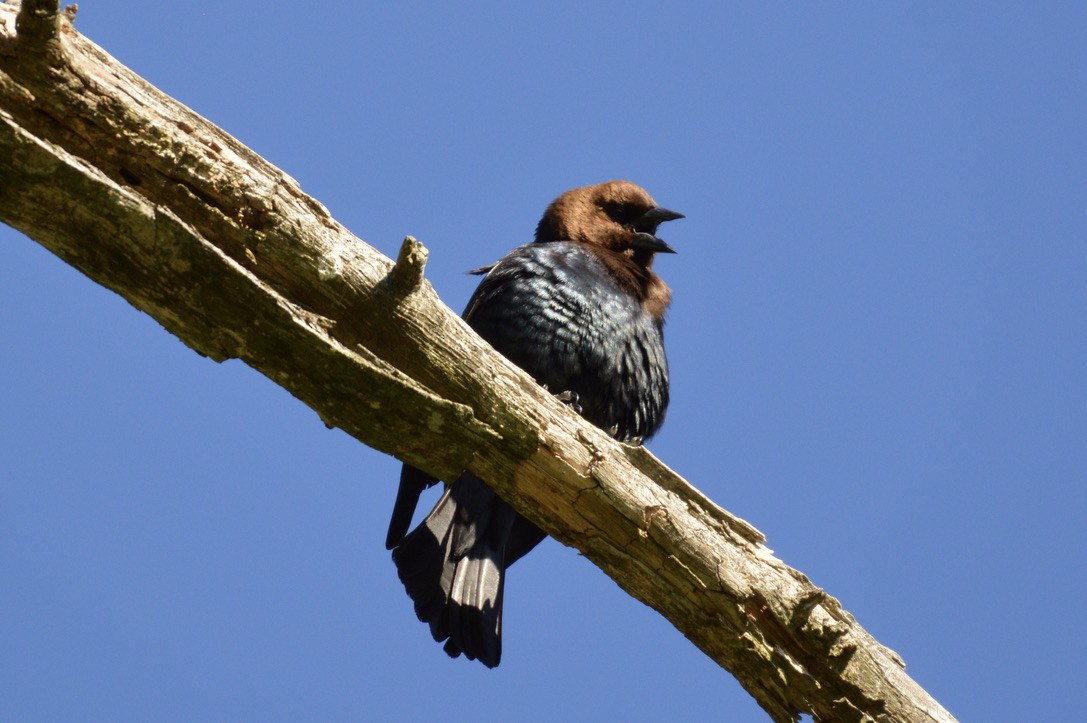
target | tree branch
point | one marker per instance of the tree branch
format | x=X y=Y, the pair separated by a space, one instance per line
x=225 y=251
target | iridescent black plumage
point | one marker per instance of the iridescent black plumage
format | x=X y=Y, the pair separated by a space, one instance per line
x=581 y=311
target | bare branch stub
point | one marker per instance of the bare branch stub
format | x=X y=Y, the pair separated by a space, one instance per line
x=37 y=24
x=407 y=274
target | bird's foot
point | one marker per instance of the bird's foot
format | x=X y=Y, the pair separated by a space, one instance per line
x=570 y=399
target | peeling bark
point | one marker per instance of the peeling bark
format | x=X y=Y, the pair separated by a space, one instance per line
x=224 y=250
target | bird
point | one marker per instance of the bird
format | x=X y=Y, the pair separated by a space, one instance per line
x=580 y=309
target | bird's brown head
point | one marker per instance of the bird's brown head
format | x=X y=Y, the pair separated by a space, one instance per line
x=618 y=221
x=617 y=215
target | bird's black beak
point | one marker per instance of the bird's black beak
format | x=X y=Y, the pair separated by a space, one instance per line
x=658 y=215
x=649 y=242
x=645 y=239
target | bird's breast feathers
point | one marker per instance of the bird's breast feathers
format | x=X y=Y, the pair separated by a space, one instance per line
x=556 y=311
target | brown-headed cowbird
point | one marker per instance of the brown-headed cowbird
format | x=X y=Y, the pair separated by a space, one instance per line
x=582 y=312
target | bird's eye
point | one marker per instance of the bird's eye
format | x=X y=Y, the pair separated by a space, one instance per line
x=621 y=213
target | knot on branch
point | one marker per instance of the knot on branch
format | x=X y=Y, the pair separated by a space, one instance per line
x=38 y=24
x=407 y=273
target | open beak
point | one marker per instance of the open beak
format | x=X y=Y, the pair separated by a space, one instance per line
x=650 y=220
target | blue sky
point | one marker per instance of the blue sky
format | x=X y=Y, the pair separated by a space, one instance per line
x=878 y=349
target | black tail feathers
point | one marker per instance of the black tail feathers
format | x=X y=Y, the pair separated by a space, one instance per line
x=453 y=566
x=412 y=484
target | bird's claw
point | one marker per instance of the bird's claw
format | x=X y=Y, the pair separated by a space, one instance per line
x=570 y=399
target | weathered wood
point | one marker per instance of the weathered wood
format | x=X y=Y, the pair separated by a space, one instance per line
x=225 y=251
